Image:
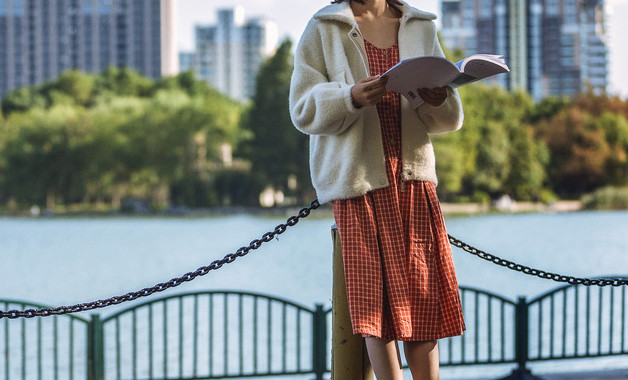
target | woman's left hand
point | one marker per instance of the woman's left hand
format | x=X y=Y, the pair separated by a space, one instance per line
x=433 y=96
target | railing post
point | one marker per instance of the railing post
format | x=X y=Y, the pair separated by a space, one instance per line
x=319 y=341
x=521 y=333
x=521 y=342
x=95 y=349
x=349 y=359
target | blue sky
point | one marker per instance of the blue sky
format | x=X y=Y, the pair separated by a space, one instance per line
x=292 y=16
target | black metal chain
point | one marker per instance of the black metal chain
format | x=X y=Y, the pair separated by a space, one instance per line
x=202 y=271
x=269 y=236
x=536 y=272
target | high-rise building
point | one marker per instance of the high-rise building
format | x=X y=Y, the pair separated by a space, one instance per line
x=186 y=60
x=553 y=47
x=229 y=53
x=39 y=39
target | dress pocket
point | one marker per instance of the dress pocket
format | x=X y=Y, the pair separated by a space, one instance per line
x=420 y=249
x=421 y=265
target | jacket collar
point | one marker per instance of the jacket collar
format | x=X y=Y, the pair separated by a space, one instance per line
x=342 y=12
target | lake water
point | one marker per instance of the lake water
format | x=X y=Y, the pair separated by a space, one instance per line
x=57 y=261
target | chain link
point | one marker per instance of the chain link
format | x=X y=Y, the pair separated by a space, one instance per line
x=536 y=272
x=268 y=237
x=202 y=271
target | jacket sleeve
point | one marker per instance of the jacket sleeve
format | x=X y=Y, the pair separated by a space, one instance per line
x=320 y=102
x=447 y=117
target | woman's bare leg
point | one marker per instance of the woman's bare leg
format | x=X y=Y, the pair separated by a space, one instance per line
x=422 y=359
x=385 y=359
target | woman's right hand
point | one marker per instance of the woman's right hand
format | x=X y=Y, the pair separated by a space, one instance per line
x=368 y=91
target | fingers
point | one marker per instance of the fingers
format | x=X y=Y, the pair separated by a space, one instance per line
x=371 y=79
x=369 y=91
x=373 y=82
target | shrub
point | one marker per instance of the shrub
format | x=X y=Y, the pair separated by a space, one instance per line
x=607 y=198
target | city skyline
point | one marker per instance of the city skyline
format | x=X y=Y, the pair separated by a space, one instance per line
x=41 y=40
x=571 y=32
x=292 y=17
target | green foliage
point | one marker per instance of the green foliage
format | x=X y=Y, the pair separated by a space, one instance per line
x=22 y=99
x=528 y=160
x=547 y=108
x=101 y=138
x=587 y=151
x=73 y=84
x=607 y=198
x=124 y=81
x=237 y=186
x=276 y=150
x=495 y=152
x=98 y=139
x=43 y=163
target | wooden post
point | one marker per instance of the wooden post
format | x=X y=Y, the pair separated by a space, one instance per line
x=349 y=359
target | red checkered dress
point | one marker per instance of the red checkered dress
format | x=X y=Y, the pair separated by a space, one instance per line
x=399 y=271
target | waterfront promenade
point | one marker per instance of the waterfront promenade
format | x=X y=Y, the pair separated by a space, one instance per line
x=599 y=375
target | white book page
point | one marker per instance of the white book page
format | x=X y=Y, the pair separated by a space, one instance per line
x=420 y=72
x=483 y=65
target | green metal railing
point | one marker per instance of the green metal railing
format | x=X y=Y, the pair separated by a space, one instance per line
x=40 y=348
x=227 y=334
x=489 y=337
x=217 y=334
x=578 y=322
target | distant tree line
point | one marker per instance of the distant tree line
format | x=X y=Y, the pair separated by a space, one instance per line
x=559 y=147
x=95 y=140
x=98 y=139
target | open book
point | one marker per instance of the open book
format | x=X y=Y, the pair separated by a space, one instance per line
x=434 y=71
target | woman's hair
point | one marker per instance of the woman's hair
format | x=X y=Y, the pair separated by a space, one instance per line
x=393 y=3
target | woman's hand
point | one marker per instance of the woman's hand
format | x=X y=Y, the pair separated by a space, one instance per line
x=433 y=96
x=368 y=91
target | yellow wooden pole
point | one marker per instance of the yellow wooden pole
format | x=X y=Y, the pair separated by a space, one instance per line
x=349 y=359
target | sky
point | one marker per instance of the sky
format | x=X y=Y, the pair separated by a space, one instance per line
x=292 y=16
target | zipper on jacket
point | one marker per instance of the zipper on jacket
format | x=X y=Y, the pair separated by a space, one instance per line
x=353 y=35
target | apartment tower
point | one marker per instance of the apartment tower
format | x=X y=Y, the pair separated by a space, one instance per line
x=39 y=39
x=229 y=53
x=553 y=47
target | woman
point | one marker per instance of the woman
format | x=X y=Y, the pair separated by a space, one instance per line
x=370 y=155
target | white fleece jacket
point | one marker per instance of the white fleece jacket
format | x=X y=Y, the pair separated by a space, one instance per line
x=346 y=150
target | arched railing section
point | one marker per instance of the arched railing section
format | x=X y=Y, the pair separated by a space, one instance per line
x=489 y=336
x=575 y=321
x=211 y=334
x=43 y=348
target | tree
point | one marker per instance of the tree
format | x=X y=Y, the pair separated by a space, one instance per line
x=22 y=99
x=615 y=127
x=99 y=138
x=528 y=158
x=495 y=152
x=77 y=85
x=547 y=108
x=277 y=151
x=46 y=156
x=124 y=81
x=578 y=151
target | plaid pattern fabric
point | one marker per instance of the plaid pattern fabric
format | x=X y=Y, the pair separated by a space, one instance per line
x=399 y=271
